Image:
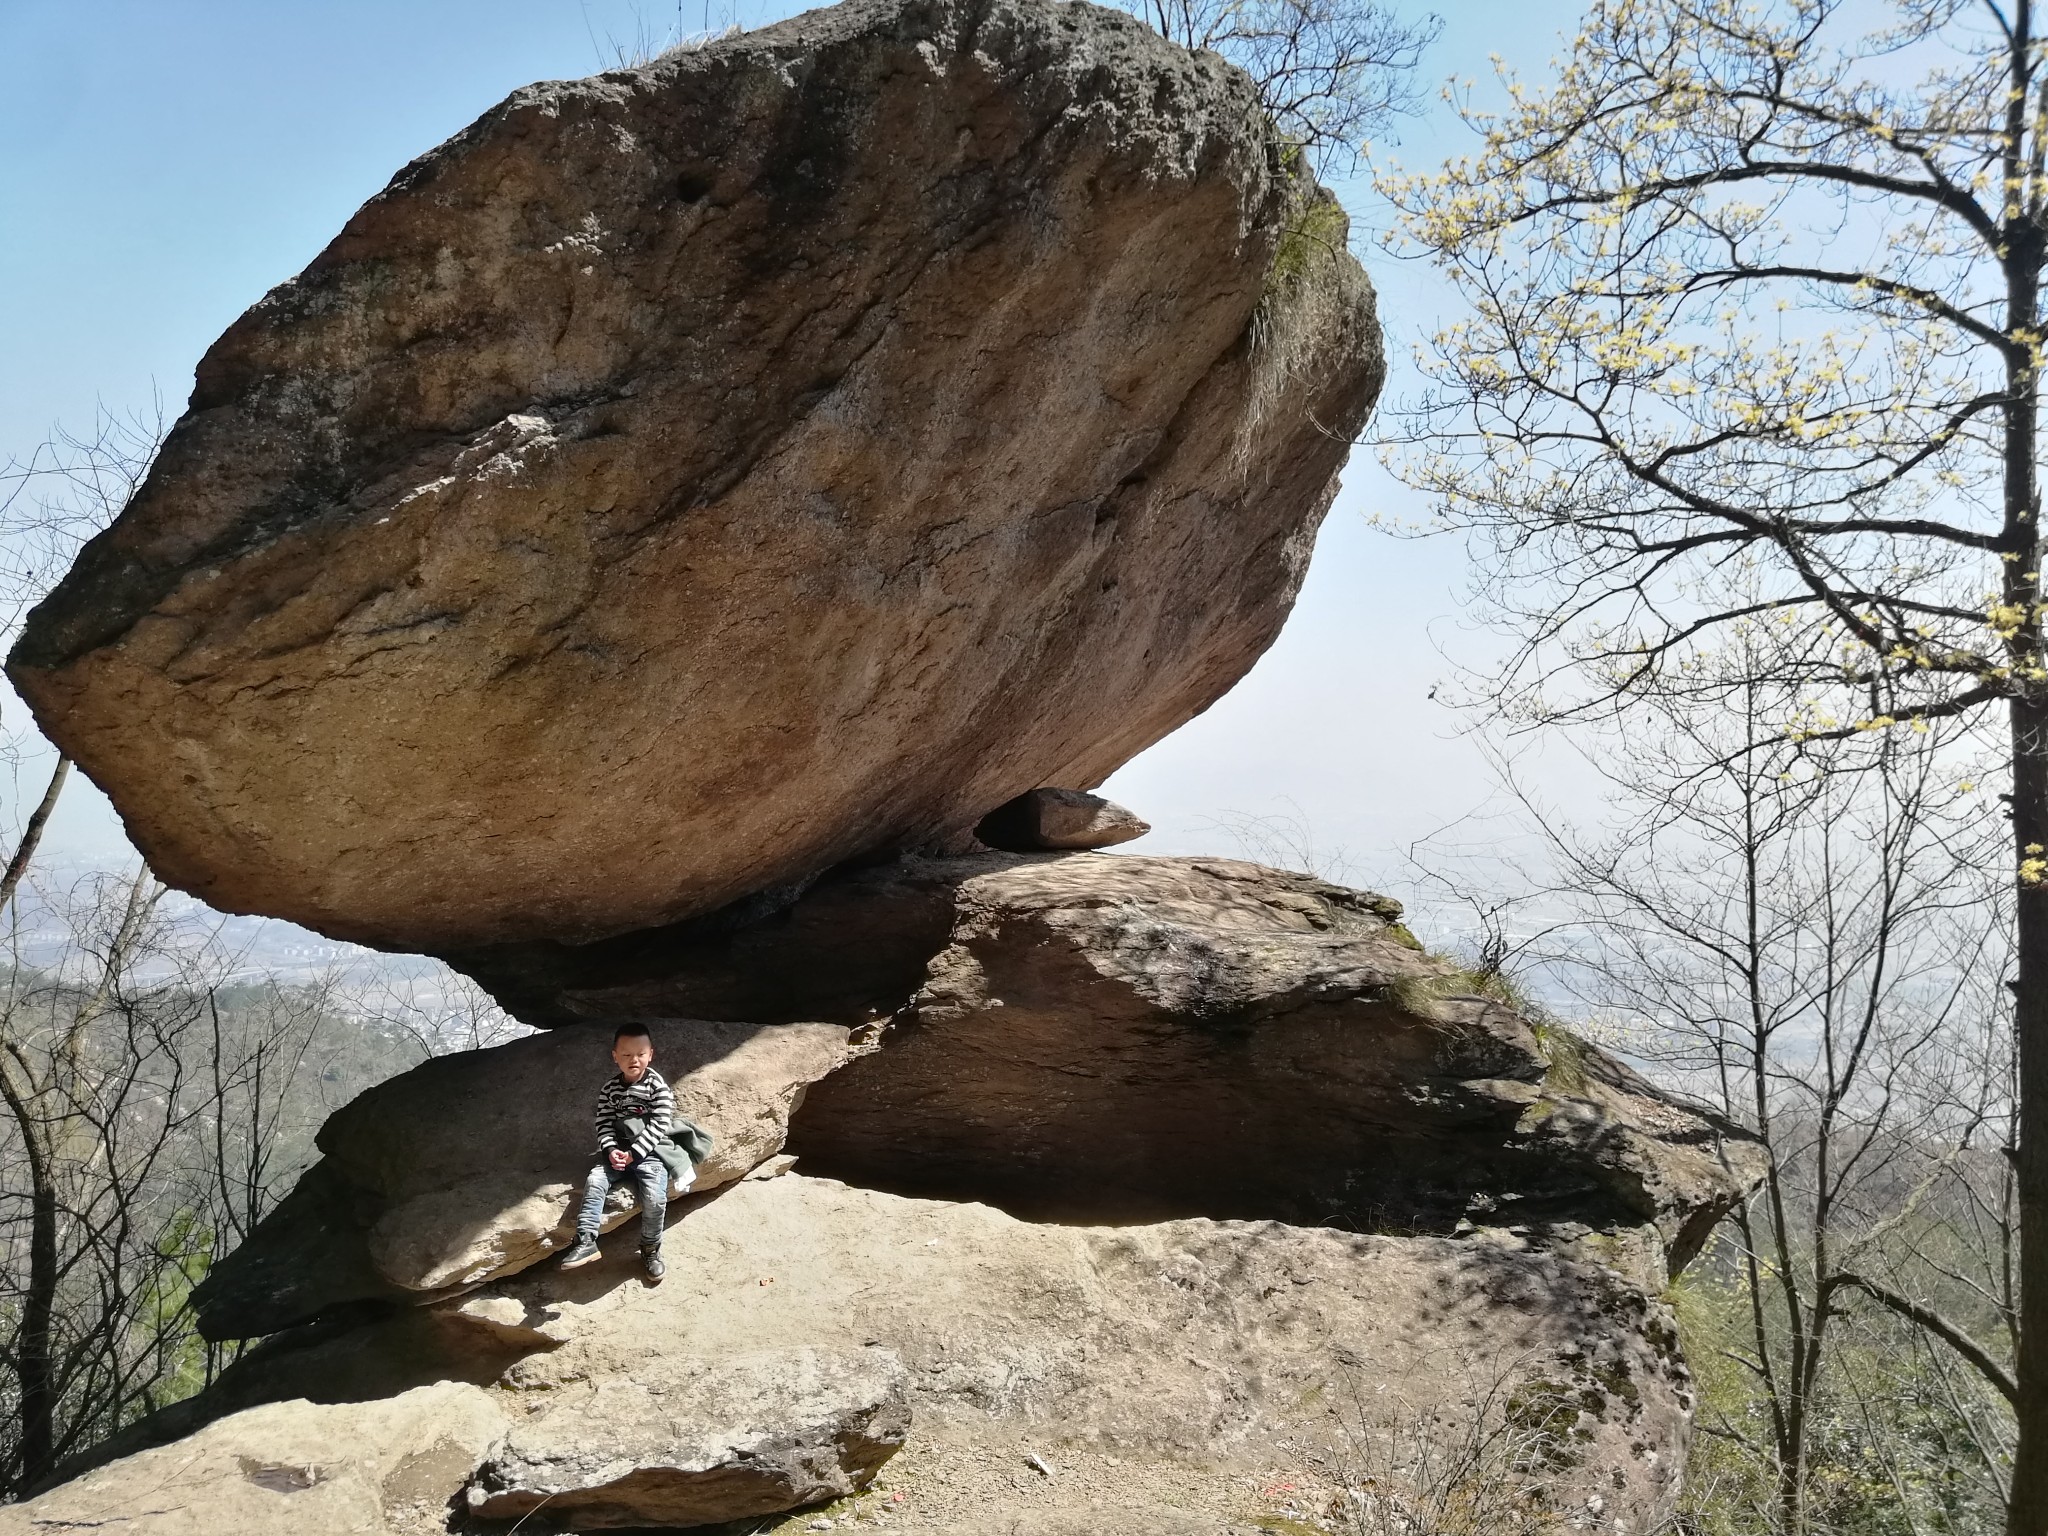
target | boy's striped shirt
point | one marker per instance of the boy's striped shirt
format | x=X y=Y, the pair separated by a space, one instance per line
x=646 y=1110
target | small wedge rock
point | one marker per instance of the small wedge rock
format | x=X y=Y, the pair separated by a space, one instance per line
x=1050 y=819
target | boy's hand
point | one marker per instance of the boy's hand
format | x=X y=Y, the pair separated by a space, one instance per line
x=619 y=1157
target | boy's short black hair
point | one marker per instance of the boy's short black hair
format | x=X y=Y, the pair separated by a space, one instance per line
x=628 y=1031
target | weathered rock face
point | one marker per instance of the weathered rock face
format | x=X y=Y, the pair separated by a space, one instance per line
x=687 y=479
x=862 y=942
x=1164 y=1375
x=468 y=1166
x=685 y=1444
x=1111 y=1038
x=1114 y=1038
x=1098 y=1038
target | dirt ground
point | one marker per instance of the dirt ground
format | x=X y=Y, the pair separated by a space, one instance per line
x=950 y=1482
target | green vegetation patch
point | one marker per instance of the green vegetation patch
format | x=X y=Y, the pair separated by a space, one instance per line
x=1317 y=229
x=1565 y=1055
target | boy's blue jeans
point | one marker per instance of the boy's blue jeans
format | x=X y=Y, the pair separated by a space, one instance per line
x=649 y=1174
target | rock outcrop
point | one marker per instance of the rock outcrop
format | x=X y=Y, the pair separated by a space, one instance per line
x=1192 y=1376
x=1099 y=1038
x=634 y=561
x=1111 y=1038
x=468 y=1166
x=685 y=480
x=681 y=1443
x=1104 y=1037
x=387 y=1467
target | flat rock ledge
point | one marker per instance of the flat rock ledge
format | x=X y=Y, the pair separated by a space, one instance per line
x=1196 y=1377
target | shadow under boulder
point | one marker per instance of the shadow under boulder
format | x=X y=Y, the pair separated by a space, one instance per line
x=845 y=949
x=1122 y=1039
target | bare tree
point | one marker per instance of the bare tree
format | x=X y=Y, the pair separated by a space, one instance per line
x=70 y=487
x=1407 y=1468
x=152 y=1111
x=152 y=1108
x=1330 y=72
x=1804 y=934
x=1283 y=839
x=441 y=1011
x=70 y=1114
x=1756 y=333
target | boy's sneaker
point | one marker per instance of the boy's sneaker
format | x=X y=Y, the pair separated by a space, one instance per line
x=584 y=1251
x=651 y=1265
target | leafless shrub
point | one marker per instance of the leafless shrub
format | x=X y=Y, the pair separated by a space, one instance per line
x=1487 y=1469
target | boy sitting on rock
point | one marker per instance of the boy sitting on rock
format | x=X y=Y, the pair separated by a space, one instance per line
x=635 y=1112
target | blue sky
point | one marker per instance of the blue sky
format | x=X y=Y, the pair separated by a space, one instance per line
x=165 y=164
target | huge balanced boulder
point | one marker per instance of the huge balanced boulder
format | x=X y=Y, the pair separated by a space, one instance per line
x=687 y=479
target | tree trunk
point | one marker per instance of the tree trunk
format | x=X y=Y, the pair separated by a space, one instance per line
x=2024 y=253
x=38 y=1309
x=32 y=834
x=2029 y=1512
